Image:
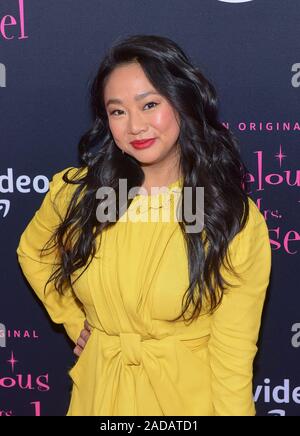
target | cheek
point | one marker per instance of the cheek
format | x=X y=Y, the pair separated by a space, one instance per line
x=116 y=130
x=165 y=121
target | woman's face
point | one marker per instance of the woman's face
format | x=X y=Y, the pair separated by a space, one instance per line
x=133 y=118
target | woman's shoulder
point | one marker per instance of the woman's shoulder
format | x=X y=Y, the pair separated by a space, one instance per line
x=61 y=190
x=256 y=220
x=71 y=172
x=255 y=230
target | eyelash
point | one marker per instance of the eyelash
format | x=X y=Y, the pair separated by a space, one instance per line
x=118 y=110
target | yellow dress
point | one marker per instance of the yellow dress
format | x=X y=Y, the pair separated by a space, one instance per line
x=137 y=362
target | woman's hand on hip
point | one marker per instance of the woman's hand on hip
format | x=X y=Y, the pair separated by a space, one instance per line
x=83 y=338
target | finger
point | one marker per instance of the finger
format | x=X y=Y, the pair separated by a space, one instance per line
x=85 y=334
x=77 y=350
x=81 y=342
x=86 y=325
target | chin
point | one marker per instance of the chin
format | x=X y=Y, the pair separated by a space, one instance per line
x=148 y=159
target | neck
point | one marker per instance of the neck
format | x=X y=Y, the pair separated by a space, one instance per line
x=160 y=174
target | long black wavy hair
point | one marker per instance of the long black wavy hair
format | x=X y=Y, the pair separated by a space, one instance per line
x=209 y=157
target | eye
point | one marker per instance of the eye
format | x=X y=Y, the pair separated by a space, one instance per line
x=118 y=110
x=151 y=102
x=113 y=112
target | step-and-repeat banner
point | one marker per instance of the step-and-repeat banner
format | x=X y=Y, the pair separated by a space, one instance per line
x=49 y=53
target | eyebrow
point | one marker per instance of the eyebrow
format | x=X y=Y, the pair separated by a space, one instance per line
x=136 y=97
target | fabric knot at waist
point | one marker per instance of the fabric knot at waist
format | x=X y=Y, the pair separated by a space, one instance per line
x=112 y=367
x=131 y=348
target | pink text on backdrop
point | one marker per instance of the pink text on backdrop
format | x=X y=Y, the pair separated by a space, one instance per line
x=10 y=25
x=281 y=177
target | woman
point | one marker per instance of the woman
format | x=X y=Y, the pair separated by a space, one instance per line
x=174 y=314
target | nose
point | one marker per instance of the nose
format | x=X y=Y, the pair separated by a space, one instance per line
x=136 y=123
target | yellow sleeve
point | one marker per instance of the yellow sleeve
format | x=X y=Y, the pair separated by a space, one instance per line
x=235 y=324
x=65 y=309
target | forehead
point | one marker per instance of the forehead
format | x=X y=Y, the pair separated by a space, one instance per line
x=126 y=80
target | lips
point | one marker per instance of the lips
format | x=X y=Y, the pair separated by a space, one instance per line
x=144 y=143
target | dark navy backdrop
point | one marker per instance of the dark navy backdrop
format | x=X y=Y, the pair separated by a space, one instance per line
x=49 y=52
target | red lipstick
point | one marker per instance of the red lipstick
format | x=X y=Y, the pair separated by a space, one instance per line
x=143 y=143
